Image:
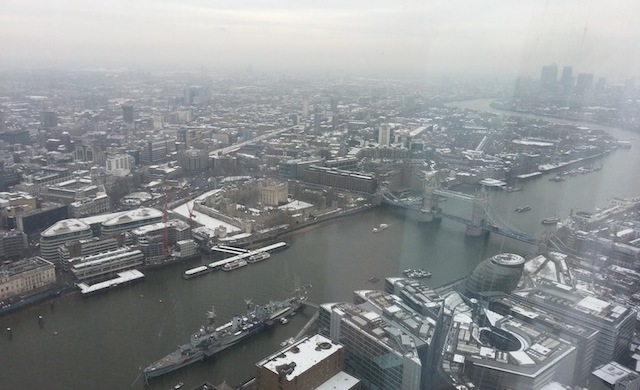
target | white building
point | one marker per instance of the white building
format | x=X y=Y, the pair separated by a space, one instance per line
x=106 y=263
x=384 y=135
x=59 y=233
x=131 y=220
x=119 y=164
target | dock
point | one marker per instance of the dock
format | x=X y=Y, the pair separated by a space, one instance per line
x=123 y=278
x=228 y=249
x=240 y=255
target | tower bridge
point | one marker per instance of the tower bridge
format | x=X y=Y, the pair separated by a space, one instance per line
x=484 y=218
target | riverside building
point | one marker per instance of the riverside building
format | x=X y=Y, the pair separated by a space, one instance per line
x=71 y=251
x=25 y=276
x=60 y=233
x=307 y=364
x=131 y=220
x=383 y=355
x=106 y=263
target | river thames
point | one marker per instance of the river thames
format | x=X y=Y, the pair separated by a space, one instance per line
x=102 y=342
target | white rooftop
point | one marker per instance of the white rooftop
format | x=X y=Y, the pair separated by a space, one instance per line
x=521 y=358
x=592 y=303
x=101 y=217
x=305 y=354
x=296 y=205
x=140 y=214
x=341 y=380
x=611 y=372
x=66 y=226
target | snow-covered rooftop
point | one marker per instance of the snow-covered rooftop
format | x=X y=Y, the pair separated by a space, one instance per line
x=304 y=354
x=65 y=226
x=140 y=214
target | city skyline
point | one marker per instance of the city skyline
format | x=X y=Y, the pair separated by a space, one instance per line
x=409 y=39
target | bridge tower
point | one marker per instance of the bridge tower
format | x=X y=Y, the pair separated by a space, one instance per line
x=478 y=214
x=429 y=200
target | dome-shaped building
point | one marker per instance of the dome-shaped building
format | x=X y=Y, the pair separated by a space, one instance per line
x=498 y=273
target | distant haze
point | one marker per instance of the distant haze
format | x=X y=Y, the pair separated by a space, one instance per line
x=367 y=37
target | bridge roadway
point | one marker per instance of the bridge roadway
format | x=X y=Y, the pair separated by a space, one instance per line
x=236 y=147
x=490 y=227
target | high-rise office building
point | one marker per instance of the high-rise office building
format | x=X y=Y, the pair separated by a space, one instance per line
x=49 y=119
x=384 y=135
x=567 y=79
x=614 y=321
x=3 y=122
x=601 y=85
x=584 y=82
x=549 y=75
x=317 y=117
x=128 y=113
x=385 y=341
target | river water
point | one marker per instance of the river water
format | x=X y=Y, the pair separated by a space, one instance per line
x=101 y=342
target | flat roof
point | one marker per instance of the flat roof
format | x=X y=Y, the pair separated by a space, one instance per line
x=304 y=354
x=612 y=372
x=341 y=380
x=24 y=265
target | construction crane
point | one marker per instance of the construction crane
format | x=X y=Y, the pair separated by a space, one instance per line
x=165 y=219
x=191 y=215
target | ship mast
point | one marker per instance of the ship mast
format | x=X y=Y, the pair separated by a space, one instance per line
x=211 y=315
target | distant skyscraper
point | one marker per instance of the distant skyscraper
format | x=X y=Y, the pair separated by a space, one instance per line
x=601 y=85
x=334 y=105
x=584 y=82
x=384 y=135
x=567 y=79
x=549 y=75
x=49 y=119
x=317 y=117
x=127 y=113
x=3 y=123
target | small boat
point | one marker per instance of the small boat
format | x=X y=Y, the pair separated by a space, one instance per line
x=178 y=385
x=258 y=257
x=284 y=320
x=551 y=220
x=288 y=341
x=373 y=279
x=417 y=273
x=522 y=209
x=380 y=228
x=514 y=189
x=235 y=264
x=558 y=178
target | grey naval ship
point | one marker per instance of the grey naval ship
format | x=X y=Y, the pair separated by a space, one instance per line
x=211 y=339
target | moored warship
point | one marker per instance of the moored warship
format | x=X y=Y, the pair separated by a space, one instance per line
x=211 y=339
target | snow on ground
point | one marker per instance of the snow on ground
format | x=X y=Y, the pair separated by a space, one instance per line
x=203 y=219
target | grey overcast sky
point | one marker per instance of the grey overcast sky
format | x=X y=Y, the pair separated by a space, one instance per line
x=400 y=37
